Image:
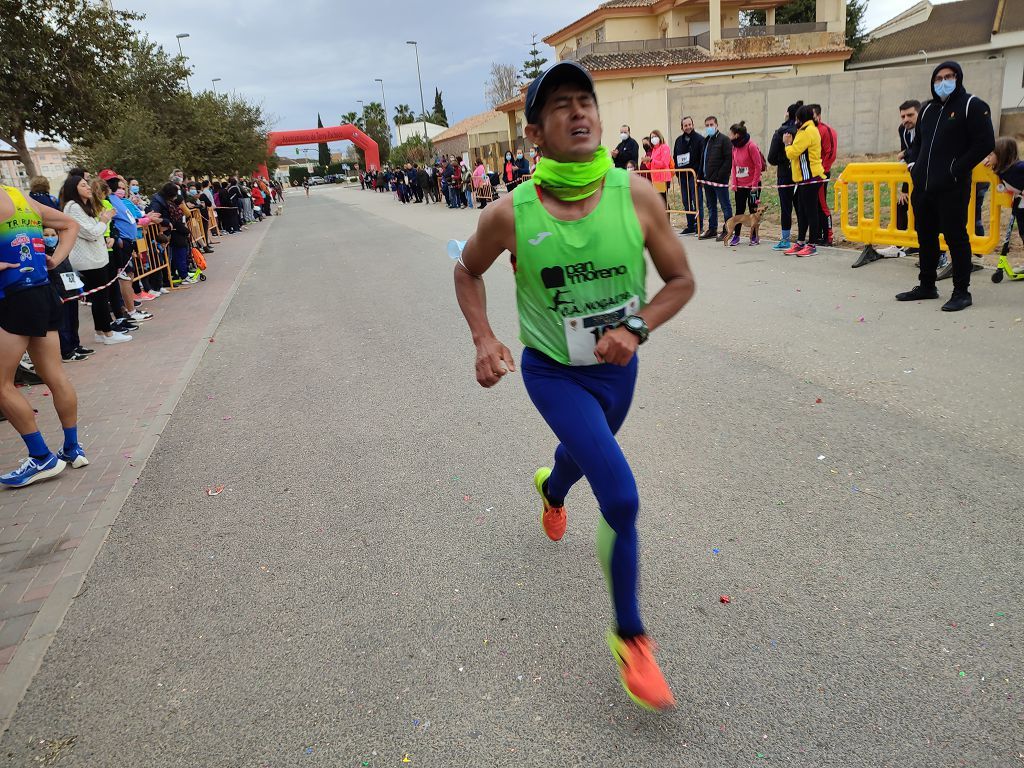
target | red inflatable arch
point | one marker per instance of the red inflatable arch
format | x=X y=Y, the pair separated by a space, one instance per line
x=318 y=135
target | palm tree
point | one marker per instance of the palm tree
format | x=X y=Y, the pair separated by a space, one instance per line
x=403 y=115
x=353 y=118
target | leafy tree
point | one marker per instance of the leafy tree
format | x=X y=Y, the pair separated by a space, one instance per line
x=805 y=11
x=439 y=116
x=534 y=65
x=415 y=149
x=503 y=84
x=353 y=118
x=62 y=70
x=377 y=128
x=323 y=151
x=403 y=115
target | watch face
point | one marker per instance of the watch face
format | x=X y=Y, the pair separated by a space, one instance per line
x=635 y=322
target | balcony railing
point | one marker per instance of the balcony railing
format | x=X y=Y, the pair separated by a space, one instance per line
x=630 y=46
x=776 y=30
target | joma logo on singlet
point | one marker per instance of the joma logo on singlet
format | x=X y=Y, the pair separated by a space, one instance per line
x=574 y=274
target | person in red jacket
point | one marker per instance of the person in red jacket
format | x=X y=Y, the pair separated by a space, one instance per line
x=745 y=179
x=829 y=147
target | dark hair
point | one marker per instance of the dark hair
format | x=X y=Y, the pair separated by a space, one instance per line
x=792 y=109
x=77 y=171
x=168 y=191
x=816 y=108
x=805 y=113
x=740 y=128
x=1005 y=152
x=113 y=183
x=69 y=194
x=684 y=118
x=910 y=104
x=711 y=117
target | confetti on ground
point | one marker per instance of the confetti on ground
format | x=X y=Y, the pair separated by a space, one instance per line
x=215 y=490
x=467 y=498
x=309 y=750
x=407 y=758
x=714 y=551
x=821 y=457
x=127 y=455
x=227 y=418
x=817 y=401
x=860 y=319
x=724 y=599
x=963 y=674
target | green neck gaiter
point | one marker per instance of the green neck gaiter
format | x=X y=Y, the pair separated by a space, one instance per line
x=573 y=181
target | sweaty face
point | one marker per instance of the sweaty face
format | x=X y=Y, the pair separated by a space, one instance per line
x=908 y=117
x=569 y=126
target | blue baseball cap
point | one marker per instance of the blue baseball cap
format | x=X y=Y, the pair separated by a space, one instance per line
x=558 y=74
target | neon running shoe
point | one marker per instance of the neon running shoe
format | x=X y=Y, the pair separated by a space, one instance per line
x=795 y=248
x=641 y=676
x=808 y=250
x=33 y=470
x=782 y=245
x=552 y=518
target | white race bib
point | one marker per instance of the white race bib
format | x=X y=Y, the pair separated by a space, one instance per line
x=683 y=159
x=583 y=333
x=72 y=281
x=742 y=172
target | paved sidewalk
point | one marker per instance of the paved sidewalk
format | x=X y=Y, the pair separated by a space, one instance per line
x=50 y=533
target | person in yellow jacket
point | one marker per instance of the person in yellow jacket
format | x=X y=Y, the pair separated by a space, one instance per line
x=804 y=153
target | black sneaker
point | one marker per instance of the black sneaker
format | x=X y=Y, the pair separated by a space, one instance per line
x=85 y=350
x=688 y=231
x=959 y=300
x=124 y=326
x=720 y=236
x=73 y=357
x=918 y=293
x=207 y=249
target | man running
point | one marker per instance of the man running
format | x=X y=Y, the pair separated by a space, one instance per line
x=577 y=232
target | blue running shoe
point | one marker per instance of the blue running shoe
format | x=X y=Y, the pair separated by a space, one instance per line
x=75 y=457
x=32 y=470
x=782 y=245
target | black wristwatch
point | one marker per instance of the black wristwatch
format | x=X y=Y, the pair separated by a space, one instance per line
x=637 y=326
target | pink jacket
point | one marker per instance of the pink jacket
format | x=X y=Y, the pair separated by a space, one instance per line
x=661 y=163
x=746 y=165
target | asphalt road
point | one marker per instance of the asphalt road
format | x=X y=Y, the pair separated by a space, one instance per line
x=373 y=586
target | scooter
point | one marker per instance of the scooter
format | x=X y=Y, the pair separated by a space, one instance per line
x=1003 y=267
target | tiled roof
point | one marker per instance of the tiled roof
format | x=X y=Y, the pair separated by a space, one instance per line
x=949 y=26
x=465 y=126
x=629 y=3
x=674 y=57
x=1013 y=17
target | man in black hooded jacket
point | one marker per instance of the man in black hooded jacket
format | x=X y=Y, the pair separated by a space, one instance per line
x=954 y=133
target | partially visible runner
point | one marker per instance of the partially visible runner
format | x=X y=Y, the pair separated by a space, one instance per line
x=577 y=232
x=30 y=314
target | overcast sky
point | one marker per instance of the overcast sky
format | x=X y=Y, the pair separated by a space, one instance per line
x=301 y=57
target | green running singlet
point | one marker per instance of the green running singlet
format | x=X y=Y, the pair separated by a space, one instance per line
x=574 y=278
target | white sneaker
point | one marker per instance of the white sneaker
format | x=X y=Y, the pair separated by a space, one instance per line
x=115 y=338
x=165 y=290
x=139 y=317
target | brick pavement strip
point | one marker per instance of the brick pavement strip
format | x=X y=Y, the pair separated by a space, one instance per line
x=50 y=533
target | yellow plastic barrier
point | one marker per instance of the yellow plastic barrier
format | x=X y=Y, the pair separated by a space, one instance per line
x=858 y=202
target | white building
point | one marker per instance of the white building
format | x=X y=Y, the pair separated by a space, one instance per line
x=407 y=131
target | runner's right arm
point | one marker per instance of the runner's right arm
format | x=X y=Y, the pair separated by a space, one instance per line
x=495 y=233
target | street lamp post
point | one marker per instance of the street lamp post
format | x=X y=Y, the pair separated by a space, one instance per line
x=423 y=106
x=385 y=100
x=215 y=81
x=182 y=54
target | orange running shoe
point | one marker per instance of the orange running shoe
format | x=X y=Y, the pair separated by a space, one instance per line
x=640 y=674
x=552 y=518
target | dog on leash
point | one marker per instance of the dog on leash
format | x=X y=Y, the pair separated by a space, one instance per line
x=752 y=220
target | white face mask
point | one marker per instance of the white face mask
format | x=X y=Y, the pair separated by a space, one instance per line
x=623 y=136
x=655 y=141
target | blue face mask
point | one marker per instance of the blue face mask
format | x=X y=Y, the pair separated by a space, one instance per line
x=710 y=131
x=135 y=189
x=945 y=89
x=51 y=241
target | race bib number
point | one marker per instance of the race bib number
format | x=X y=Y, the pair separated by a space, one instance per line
x=683 y=159
x=742 y=172
x=583 y=333
x=72 y=281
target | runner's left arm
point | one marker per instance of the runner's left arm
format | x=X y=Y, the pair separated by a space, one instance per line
x=66 y=227
x=618 y=345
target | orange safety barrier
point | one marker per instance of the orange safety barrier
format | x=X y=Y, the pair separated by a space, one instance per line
x=151 y=256
x=676 y=173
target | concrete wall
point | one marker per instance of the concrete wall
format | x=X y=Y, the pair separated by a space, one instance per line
x=862 y=105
